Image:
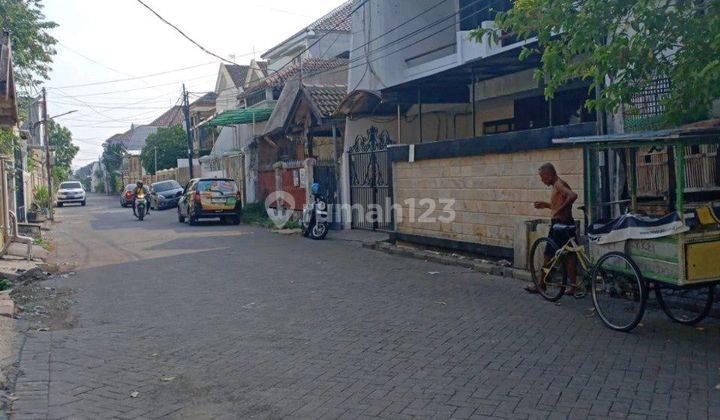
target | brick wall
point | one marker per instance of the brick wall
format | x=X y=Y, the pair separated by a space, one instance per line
x=493 y=193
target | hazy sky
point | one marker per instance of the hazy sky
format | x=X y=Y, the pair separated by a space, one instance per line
x=108 y=40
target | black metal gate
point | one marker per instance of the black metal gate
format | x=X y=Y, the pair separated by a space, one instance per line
x=325 y=175
x=371 y=181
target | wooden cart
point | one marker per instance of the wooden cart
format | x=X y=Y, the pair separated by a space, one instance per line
x=653 y=174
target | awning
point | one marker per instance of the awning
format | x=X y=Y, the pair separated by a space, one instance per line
x=708 y=129
x=369 y=102
x=240 y=116
x=359 y=102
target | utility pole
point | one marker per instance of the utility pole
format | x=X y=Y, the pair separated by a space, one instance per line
x=186 y=109
x=48 y=164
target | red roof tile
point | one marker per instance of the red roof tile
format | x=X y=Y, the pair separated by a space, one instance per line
x=310 y=66
x=326 y=98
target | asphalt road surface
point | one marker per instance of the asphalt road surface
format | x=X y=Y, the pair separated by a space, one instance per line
x=221 y=321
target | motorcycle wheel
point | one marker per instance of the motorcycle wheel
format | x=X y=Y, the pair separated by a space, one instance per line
x=141 y=213
x=319 y=231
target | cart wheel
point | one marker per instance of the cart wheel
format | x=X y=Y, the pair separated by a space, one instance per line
x=549 y=281
x=619 y=292
x=686 y=306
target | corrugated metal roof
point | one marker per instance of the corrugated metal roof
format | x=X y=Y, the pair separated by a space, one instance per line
x=241 y=116
x=704 y=129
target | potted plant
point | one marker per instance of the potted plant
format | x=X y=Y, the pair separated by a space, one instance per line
x=40 y=206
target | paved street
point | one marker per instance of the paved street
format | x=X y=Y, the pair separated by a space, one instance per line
x=234 y=322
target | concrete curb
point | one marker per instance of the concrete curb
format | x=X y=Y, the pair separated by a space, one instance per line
x=475 y=264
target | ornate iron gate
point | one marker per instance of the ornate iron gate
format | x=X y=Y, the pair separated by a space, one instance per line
x=371 y=181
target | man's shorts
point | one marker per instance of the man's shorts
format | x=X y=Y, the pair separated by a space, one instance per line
x=560 y=236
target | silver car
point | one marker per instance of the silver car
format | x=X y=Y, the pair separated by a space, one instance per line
x=70 y=192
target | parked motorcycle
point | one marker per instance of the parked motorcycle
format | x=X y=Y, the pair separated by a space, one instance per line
x=315 y=221
x=140 y=207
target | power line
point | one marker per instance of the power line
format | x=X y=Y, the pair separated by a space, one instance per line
x=341 y=68
x=401 y=25
x=133 y=78
x=184 y=35
x=395 y=41
x=92 y=60
x=124 y=105
x=130 y=90
x=419 y=30
x=304 y=50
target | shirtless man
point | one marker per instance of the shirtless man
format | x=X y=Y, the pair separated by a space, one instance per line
x=562 y=198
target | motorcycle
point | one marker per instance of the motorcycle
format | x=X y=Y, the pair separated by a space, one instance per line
x=315 y=221
x=140 y=204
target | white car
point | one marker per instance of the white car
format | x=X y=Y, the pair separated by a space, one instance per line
x=70 y=192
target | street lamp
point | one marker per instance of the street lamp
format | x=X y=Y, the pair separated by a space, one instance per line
x=62 y=115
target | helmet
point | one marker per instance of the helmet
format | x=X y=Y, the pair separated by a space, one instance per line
x=315 y=188
x=139 y=184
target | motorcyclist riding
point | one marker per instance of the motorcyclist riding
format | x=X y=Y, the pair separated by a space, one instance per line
x=139 y=191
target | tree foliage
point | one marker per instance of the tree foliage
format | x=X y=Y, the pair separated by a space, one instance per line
x=8 y=141
x=624 y=44
x=112 y=156
x=65 y=150
x=33 y=46
x=171 y=144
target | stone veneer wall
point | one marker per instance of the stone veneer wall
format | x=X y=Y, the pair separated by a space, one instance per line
x=494 y=193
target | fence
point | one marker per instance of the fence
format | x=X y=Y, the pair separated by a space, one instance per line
x=291 y=177
x=700 y=170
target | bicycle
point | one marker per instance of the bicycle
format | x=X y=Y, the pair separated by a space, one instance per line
x=618 y=289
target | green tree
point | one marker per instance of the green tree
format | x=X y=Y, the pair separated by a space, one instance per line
x=112 y=156
x=624 y=45
x=65 y=151
x=171 y=144
x=33 y=46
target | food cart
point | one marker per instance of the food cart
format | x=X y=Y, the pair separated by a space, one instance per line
x=655 y=197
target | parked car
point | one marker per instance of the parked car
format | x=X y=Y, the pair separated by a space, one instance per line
x=205 y=198
x=127 y=196
x=165 y=194
x=70 y=192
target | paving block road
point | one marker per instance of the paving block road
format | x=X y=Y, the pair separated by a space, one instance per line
x=218 y=321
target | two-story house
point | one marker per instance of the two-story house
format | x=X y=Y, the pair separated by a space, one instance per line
x=436 y=115
x=322 y=45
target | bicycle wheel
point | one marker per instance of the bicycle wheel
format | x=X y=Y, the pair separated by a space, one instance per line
x=618 y=291
x=685 y=306
x=550 y=281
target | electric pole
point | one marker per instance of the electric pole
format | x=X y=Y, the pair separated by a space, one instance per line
x=48 y=163
x=186 y=109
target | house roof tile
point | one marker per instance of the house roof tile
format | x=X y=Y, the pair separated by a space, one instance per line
x=172 y=116
x=237 y=73
x=336 y=20
x=326 y=98
x=207 y=99
x=309 y=66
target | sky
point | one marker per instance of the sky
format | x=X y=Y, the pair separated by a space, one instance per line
x=103 y=41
